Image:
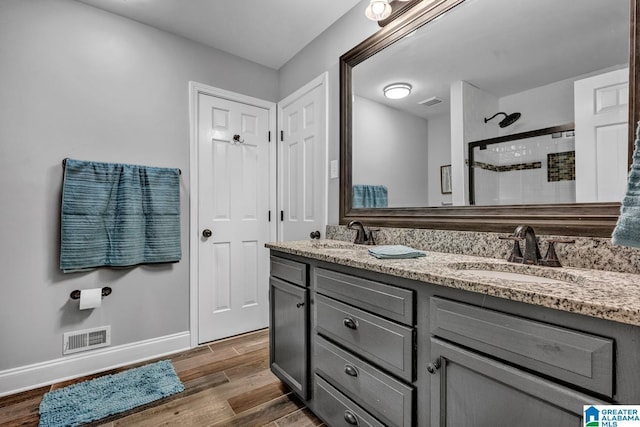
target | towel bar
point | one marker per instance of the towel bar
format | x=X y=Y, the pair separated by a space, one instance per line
x=64 y=163
x=76 y=294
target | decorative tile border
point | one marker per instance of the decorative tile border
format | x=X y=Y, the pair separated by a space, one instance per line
x=587 y=252
x=507 y=168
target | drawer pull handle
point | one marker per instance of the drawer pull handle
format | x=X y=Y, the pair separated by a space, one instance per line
x=350 y=370
x=433 y=367
x=300 y=304
x=350 y=418
x=350 y=323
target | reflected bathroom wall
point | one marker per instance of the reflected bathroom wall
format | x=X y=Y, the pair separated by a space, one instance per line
x=522 y=58
x=392 y=147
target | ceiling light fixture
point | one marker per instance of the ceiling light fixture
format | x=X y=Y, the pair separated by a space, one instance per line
x=397 y=90
x=378 y=10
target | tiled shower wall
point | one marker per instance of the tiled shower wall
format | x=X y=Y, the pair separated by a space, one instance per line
x=534 y=170
x=587 y=252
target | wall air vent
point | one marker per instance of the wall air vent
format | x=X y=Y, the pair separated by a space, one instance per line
x=87 y=339
x=430 y=102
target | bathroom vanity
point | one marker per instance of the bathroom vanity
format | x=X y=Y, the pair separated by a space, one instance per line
x=449 y=340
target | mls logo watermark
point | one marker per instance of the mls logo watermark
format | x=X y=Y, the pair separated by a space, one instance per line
x=611 y=415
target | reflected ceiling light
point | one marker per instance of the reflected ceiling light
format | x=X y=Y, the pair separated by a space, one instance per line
x=397 y=90
x=378 y=10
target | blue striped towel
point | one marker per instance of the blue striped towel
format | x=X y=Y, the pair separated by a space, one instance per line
x=118 y=215
x=627 y=231
x=395 y=252
x=369 y=196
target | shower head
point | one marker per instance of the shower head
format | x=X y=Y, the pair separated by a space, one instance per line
x=509 y=119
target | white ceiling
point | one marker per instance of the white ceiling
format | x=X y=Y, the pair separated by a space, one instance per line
x=500 y=46
x=269 y=32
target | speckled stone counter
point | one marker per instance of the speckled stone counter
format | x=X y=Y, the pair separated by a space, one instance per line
x=602 y=294
x=586 y=252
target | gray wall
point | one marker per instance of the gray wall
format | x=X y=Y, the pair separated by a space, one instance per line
x=321 y=55
x=390 y=148
x=78 y=82
x=439 y=155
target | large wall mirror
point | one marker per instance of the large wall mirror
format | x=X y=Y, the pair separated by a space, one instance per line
x=518 y=111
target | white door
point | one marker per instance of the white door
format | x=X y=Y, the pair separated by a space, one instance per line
x=233 y=210
x=302 y=162
x=601 y=116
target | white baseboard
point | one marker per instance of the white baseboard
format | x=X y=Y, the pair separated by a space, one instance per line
x=41 y=374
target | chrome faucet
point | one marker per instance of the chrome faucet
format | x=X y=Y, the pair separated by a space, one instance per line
x=362 y=237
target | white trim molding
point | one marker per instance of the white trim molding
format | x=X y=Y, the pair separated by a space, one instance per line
x=80 y=364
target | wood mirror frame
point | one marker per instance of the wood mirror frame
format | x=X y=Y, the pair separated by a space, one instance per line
x=576 y=219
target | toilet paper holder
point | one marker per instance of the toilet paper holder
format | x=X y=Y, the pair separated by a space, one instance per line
x=76 y=294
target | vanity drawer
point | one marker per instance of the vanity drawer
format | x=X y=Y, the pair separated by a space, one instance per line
x=575 y=357
x=388 y=301
x=291 y=271
x=337 y=410
x=386 y=398
x=386 y=343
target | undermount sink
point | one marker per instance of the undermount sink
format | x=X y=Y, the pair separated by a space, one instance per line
x=516 y=272
x=507 y=275
x=335 y=244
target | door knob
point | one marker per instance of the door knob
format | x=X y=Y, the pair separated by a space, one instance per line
x=315 y=234
x=206 y=233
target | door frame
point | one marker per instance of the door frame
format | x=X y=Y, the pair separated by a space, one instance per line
x=195 y=89
x=323 y=81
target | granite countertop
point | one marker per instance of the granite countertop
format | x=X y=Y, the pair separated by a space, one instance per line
x=596 y=293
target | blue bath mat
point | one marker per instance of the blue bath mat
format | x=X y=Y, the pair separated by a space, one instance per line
x=98 y=398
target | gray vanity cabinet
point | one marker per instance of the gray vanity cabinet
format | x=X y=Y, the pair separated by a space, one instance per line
x=289 y=324
x=371 y=349
x=364 y=350
x=509 y=386
x=337 y=410
x=381 y=395
x=468 y=389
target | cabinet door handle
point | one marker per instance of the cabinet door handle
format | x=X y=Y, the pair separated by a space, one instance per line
x=433 y=367
x=300 y=304
x=350 y=418
x=350 y=323
x=350 y=370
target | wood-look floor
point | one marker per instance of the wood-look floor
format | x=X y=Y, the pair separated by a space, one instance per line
x=227 y=383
